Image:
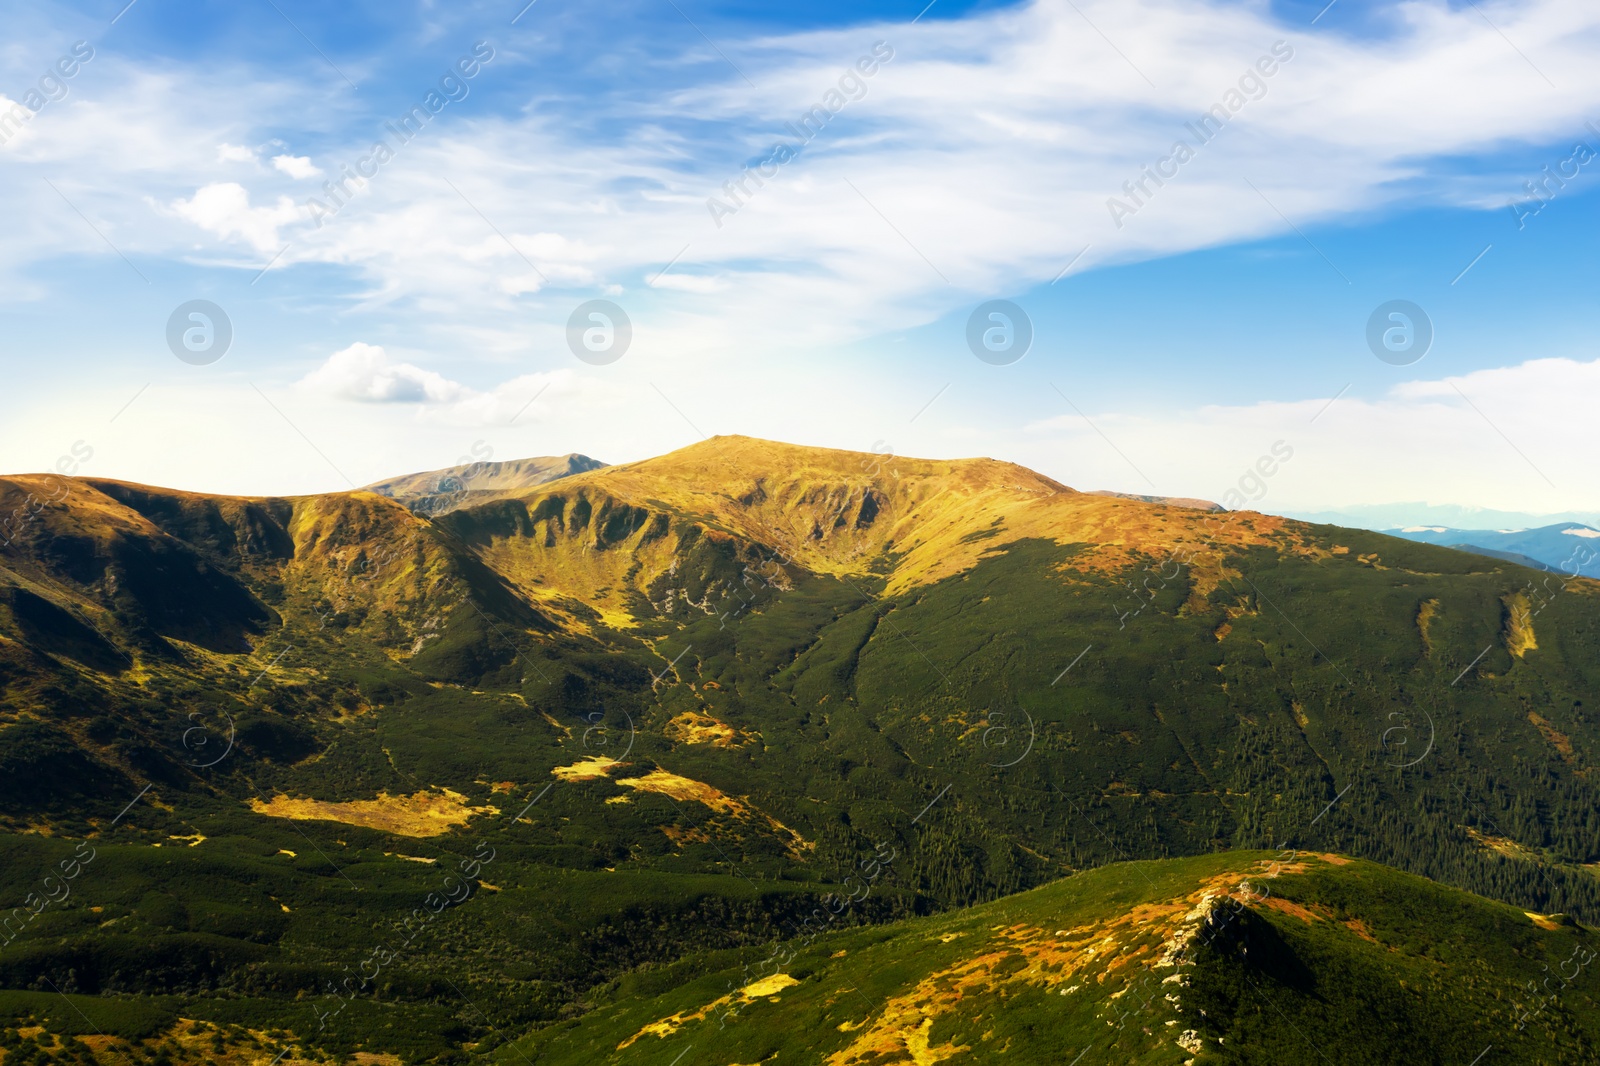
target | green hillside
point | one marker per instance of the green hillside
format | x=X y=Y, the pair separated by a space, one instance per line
x=677 y=701
x=1236 y=958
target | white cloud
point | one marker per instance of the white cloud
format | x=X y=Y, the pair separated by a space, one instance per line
x=523 y=398
x=298 y=167
x=233 y=153
x=224 y=209
x=983 y=153
x=364 y=372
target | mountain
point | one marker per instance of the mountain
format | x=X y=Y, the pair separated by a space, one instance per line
x=437 y=491
x=470 y=766
x=1383 y=516
x=1569 y=548
x=1238 y=957
x=1171 y=501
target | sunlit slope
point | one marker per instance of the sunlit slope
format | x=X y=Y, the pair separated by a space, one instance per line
x=1232 y=958
x=349 y=550
x=623 y=538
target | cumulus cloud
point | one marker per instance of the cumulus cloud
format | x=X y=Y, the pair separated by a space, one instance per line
x=233 y=153
x=298 y=167
x=364 y=372
x=223 y=208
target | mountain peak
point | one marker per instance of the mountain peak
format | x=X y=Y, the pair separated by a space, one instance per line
x=437 y=491
x=721 y=459
x=910 y=522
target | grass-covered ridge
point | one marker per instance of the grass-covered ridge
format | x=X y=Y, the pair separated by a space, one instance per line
x=1283 y=958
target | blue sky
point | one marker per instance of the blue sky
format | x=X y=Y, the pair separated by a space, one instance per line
x=1226 y=313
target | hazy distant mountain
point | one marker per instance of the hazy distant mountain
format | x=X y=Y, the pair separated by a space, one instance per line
x=438 y=491
x=1569 y=547
x=1382 y=516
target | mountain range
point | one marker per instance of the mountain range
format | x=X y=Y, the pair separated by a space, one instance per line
x=1567 y=548
x=1385 y=516
x=501 y=762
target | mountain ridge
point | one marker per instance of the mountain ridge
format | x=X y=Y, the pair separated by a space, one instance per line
x=680 y=698
x=1569 y=548
x=437 y=491
x=1231 y=957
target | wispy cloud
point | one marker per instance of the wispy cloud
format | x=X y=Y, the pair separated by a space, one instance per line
x=988 y=149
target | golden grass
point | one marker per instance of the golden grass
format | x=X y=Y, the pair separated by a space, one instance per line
x=1555 y=738
x=692 y=727
x=665 y=1027
x=587 y=769
x=189 y=1041
x=683 y=788
x=422 y=814
x=1501 y=845
x=768 y=986
x=1426 y=613
x=835 y=512
x=1147 y=937
x=1519 y=625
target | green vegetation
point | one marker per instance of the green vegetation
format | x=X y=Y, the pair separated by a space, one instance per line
x=170 y=663
x=1346 y=963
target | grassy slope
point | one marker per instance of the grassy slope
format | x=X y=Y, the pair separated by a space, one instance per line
x=1329 y=961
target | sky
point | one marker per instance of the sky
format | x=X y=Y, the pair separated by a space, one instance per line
x=1200 y=217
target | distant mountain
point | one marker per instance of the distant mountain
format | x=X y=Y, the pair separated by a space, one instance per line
x=1381 y=516
x=438 y=491
x=1169 y=501
x=1567 y=547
